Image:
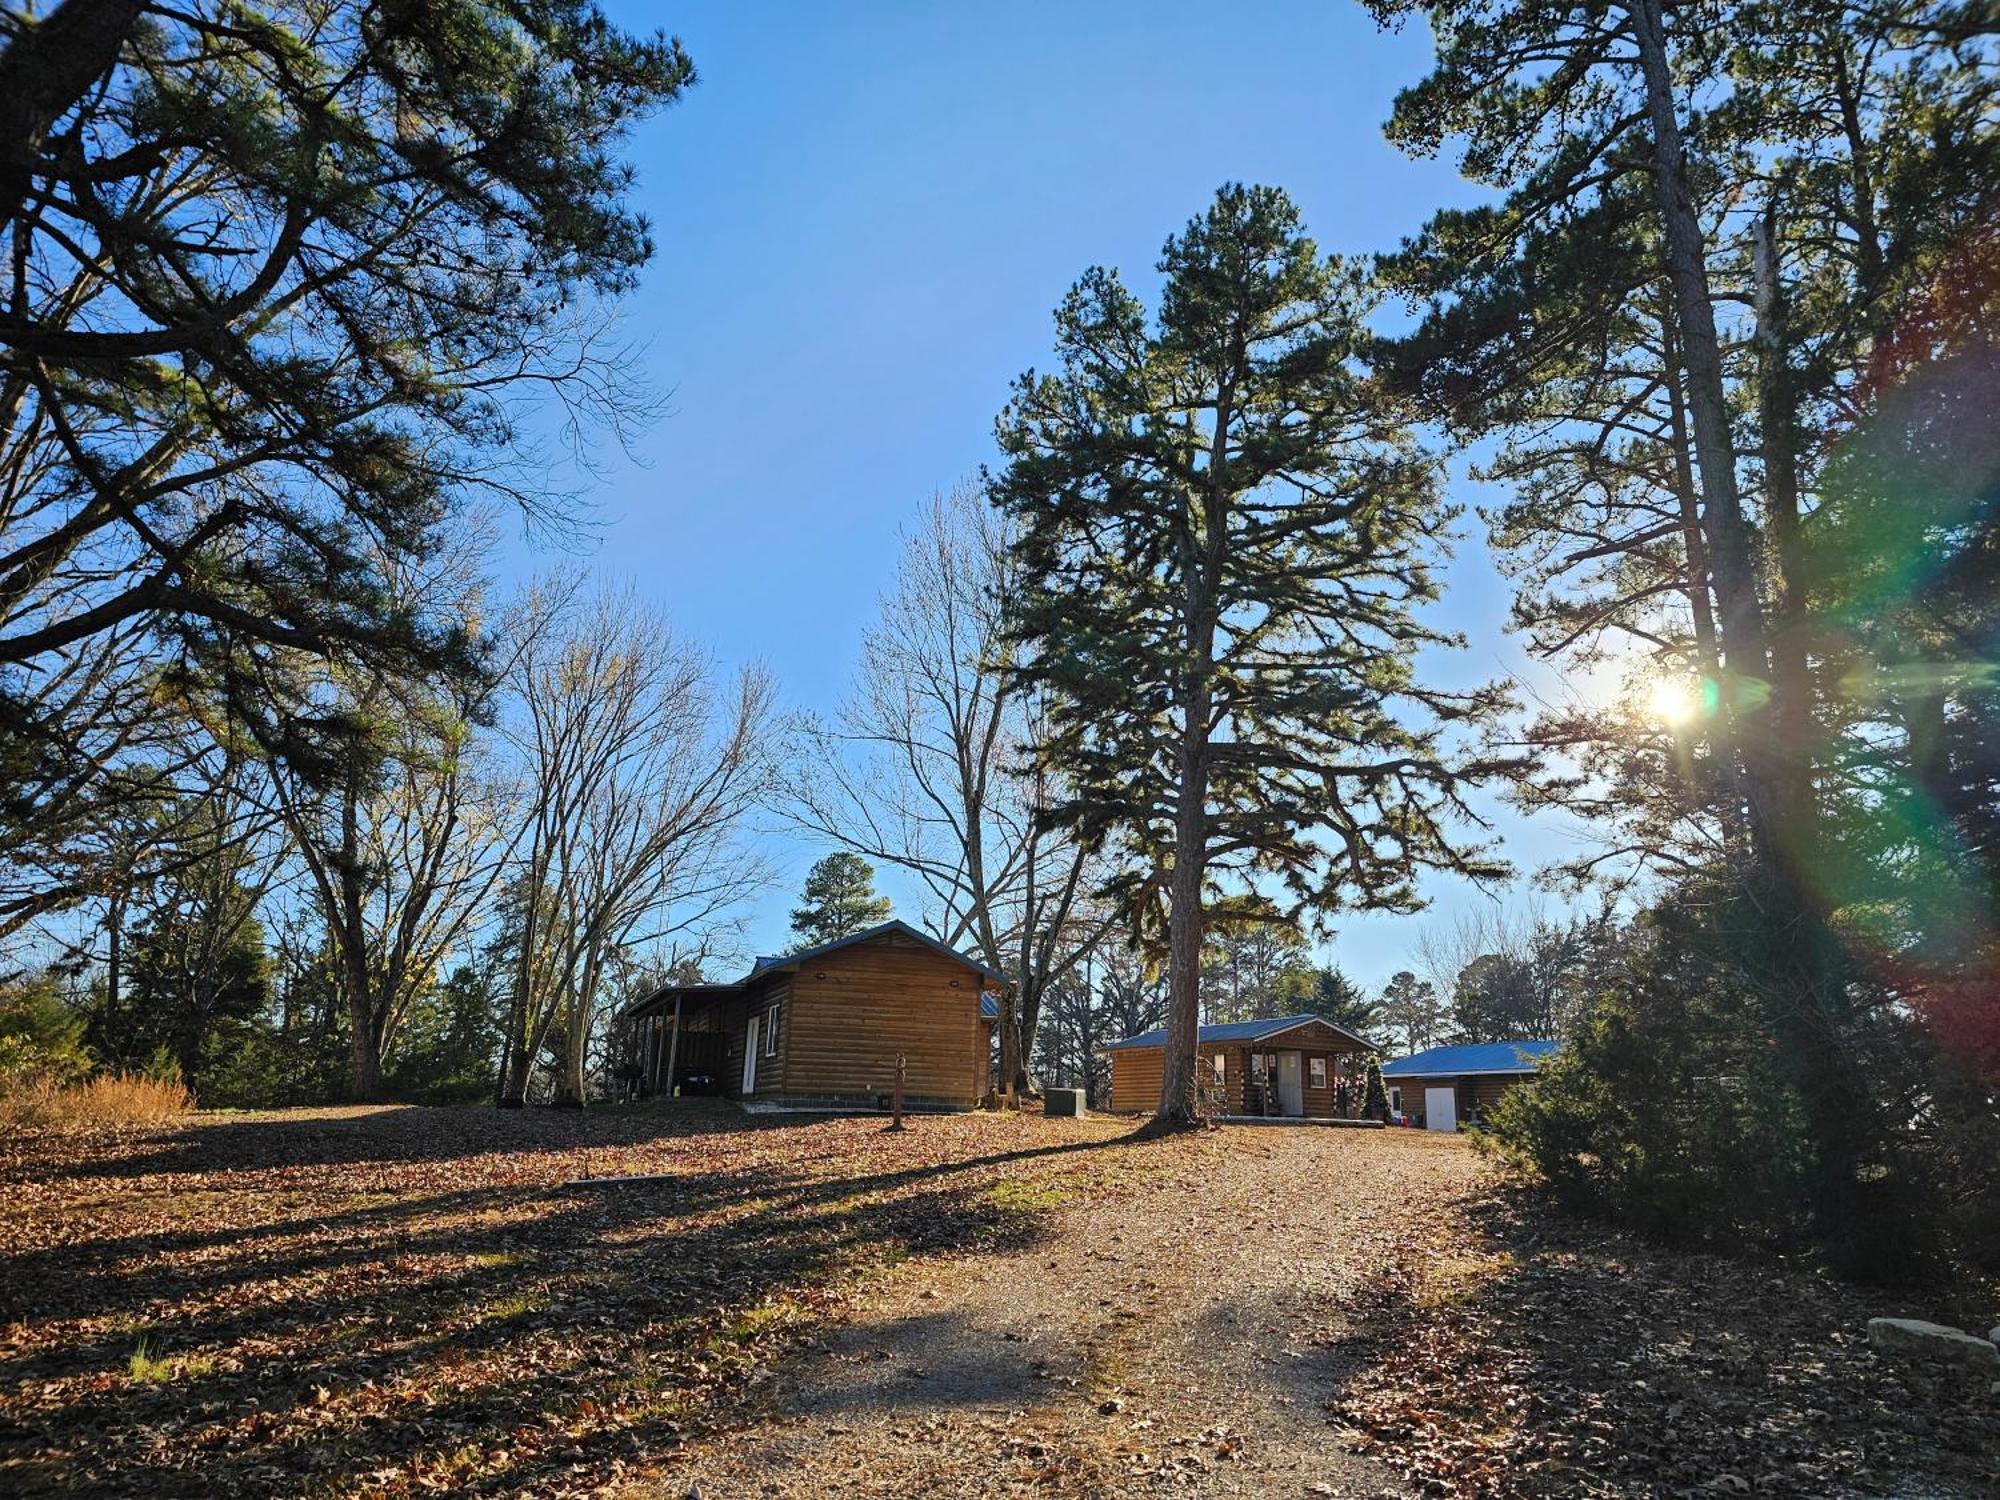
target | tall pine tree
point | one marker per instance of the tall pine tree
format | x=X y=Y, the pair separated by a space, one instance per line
x=1226 y=532
x=839 y=901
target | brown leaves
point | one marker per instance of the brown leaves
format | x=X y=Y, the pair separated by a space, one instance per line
x=401 y=1302
x=1586 y=1364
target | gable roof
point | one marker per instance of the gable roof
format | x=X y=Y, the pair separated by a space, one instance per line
x=784 y=963
x=1236 y=1031
x=893 y=927
x=1480 y=1057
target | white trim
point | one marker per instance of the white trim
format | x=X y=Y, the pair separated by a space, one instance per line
x=771 y=1032
x=1291 y=1082
x=750 y=1055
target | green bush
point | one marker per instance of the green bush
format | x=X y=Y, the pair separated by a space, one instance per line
x=266 y=1067
x=41 y=1038
x=1676 y=1110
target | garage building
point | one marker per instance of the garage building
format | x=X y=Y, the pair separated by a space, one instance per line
x=1447 y=1087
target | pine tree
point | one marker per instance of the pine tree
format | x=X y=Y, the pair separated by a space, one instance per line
x=1226 y=533
x=839 y=901
x=1375 y=1097
x=1707 y=220
x=1411 y=1012
x=280 y=273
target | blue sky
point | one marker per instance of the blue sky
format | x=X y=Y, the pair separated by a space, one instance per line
x=865 y=215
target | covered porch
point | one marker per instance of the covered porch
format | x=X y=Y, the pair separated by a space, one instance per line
x=1279 y=1067
x=1275 y=1080
x=686 y=1042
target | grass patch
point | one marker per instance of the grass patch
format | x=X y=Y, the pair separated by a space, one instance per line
x=768 y=1317
x=148 y=1368
x=1031 y=1195
x=519 y=1305
x=1453 y=1276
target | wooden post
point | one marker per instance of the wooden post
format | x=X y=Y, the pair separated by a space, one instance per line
x=673 y=1046
x=896 y=1100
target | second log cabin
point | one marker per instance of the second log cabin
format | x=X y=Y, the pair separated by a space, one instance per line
x=1304 y=1067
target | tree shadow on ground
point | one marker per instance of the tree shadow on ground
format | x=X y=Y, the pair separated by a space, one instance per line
x=332 y=1334
x=1519 y=1350
x=397 y=1136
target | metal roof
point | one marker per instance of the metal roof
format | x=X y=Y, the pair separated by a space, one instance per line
x=1479 y=1057
x=1234 y=1031
x=806 y=955
x=769 y=964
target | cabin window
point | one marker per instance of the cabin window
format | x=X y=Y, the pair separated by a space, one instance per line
x=1318 y=1066
x=771 y=1030
x=1396 y=1100
x=1217 y=1060
x=1256 y=1067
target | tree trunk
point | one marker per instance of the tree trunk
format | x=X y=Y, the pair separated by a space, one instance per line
x=351 y=938
x=1700 y=605
x=1180 y=1101
x=1803 y=983
x=114 y=962
x=367 y=1055
x=45 y=70
x=1028 y=1020
x=1180 y=1098
x=1010 y=1045
x=583 y=1002
x=1791 y=682
x=520 y=1066
x=1730 y=556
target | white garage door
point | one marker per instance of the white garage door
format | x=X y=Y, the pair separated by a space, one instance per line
x=1440 y=1109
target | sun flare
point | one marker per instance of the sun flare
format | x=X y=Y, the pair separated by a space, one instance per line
x=1674 y=701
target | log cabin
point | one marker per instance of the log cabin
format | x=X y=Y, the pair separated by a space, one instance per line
x=822 y=1028
x=1302 y=1067
x=1446 y=1087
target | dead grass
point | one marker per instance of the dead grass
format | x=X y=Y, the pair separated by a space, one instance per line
x=108 y=1101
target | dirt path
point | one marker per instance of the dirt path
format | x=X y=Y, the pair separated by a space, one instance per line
x=1184 y=1340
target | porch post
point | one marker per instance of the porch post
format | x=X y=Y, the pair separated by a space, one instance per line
x=673 y=1046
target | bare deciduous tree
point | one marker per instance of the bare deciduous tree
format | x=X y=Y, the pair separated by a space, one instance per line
x=641 y=775
x=925 y=768
x=402 y=852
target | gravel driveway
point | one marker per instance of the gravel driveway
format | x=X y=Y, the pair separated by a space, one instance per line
x=1185 y=1341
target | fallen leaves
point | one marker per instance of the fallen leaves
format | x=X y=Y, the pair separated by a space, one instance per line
x=1580 y=1362
x=390 y=1302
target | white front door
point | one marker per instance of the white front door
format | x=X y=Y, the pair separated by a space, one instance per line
x=750 y=1057
x=1291 y=1087
x=1440 y=1109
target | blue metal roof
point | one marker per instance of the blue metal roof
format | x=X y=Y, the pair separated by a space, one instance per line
x=1231 y=1031
x=1480 y=1057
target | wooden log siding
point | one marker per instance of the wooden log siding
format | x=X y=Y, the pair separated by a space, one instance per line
x=1137 y=1072
x=1477 y=1093
x=842 y=1017
x=852 y=1011
x=1137 y=1076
